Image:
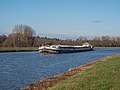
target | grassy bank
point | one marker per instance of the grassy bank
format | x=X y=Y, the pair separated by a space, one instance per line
x=17 y=49
x=103 y=74
x=100 y=76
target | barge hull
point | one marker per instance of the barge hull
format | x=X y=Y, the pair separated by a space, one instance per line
x=64 y=51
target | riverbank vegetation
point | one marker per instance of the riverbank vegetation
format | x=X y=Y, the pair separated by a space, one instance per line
x=101 y=76
x=24 y=36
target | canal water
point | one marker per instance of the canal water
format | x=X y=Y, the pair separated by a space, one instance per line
x=18 y=69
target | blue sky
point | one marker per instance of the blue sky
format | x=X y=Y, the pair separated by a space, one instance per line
x=62 y=17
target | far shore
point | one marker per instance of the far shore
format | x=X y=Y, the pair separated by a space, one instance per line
x=18 y=49
x=29 y=49
x=52 y=81
x=106 y=47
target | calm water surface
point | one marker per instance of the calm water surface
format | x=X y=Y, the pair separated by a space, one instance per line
x=18 y=69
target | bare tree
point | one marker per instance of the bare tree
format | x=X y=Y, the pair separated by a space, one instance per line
x=22 y=36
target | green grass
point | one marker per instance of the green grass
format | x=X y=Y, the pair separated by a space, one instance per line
x=101 y=76
x=18 y=48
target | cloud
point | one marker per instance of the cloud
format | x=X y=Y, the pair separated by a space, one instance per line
x=96 y=21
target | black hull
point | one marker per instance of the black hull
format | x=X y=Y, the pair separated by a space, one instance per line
x=64 y=51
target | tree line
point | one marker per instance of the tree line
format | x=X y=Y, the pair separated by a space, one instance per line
x=24 y=36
